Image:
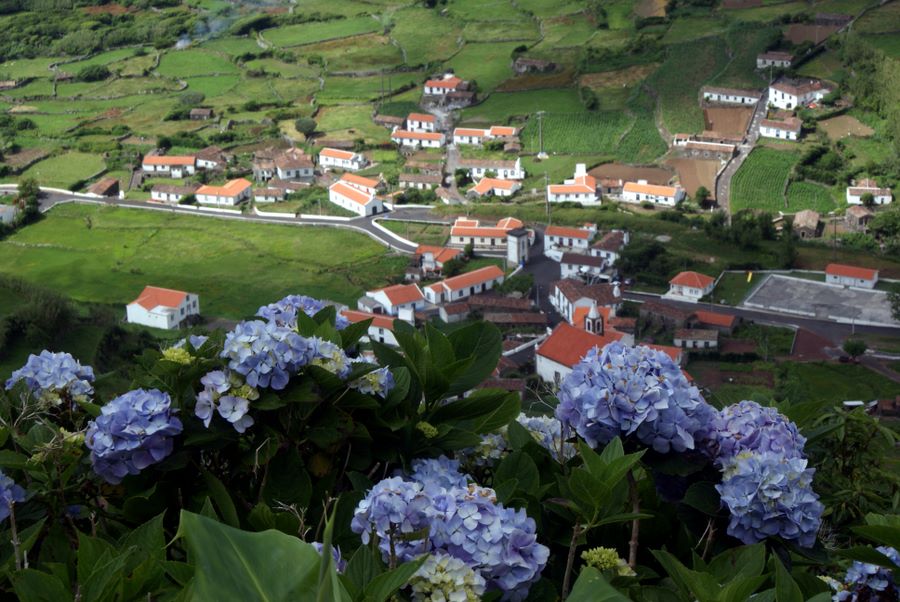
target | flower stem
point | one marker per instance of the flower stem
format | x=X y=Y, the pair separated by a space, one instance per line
x=570 y=561
x=635 y=523
x=17 y=552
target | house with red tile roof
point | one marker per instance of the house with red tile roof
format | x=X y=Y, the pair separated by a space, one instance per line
x=233 y=192
x=561 y=239
x=353 y=199
x=568 y=294
x=581 y=188
x=690 y=286
x=431 y=259
x=856 y=190
x=334 y=158
x=496 y=168
x=567 y=345
x=610 y=245
x=418 y=139
x=392 y=299
x=162 y=308
x=494 y=187
x=380 y=330
x=470 y=136
x=442 y=86
x=724 y=323
x=175 y=166
x=465 y=285
x=641 y=191
x=421 y=122
x=794 y=93
x=850 y=275
x=368 y=185
x=470 y=231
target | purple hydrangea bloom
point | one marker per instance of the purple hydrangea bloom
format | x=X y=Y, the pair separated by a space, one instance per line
x=196 y=341
x=548 y=431
x=748 y=426
x=395 y=506
x=769 y=494
x=284 y=312
x=54 y=376
x=226 y=393
x=438 y=472
x=266 y=354
x=133 y=431
x=10 y=494
x=376 y=382
x=332 y=358
x=339 y=563
x=865 y=581
x=623 y=390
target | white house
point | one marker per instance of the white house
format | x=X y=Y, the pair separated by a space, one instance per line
x=773 y=58
x=881 y=196
x=567 y=345
x=420 y=181
x=421 y=122
x=353 y=199
x=696 y=338
x=367 y=185
x=563 y=238
x=212 y=157
x=503 y=131
x=341 y=159
x=640 y=191
x=164 y=193
x=464 y=285
x=469 y=136
x=730 y=95
x=610 y=246
x=234 y=192
x=381 y=329
x=418 y=139
x=173 y=166
x=690 y=286
x=431 y=259
x=577 y=265
x=787 y=93
x=391 y=299
x=850 y=275
x=268 y=195
x=504 y=170
x=495 y=187
x=467 y=231
x=569 y=294
x=294 y=164
x=787 y=129
x=440 y=87
x=162 y=307
x=582 y=188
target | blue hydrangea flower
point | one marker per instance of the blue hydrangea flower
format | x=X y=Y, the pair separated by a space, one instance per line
x=444 y=578
x=748 y=426
x=332 y=358
x=133 y=431
x=865 y=581
x=339 y=563
x=377 y=382
x=547 y=431
x=225 y=393
x=10 y=494
x=490 y=450
x=395 y=506
x=196 y=340
x=623 y=390
x=53 y=377
x=438 y=472
x=769 y=494
x=284 y=312
x=266 y=354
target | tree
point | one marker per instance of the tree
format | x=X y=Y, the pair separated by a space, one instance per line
x=452 y=267
x=701 y=196
x=306 y=126
x=787 y=250
x=868 y=199
x=894 y=299
x=854 y=347
x=469 y=251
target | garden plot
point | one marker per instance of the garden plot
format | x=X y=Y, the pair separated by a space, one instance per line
x=845 y=125
x=727 y=120
x=809 y=298
x=694 y=173
x=310 y=33
x=799 y=33
x=654 y=175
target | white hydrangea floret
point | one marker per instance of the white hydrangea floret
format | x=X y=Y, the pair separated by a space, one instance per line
x=443 y=578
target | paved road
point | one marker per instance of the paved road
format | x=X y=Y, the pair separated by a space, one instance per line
x=723 y=183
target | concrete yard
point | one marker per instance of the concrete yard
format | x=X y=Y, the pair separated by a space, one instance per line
x=809 y=298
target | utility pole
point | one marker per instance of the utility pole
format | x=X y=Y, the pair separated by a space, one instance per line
x=541 y=153
x=547 y=196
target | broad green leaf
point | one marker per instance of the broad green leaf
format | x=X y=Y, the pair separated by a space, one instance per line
x=703 y=496
x=743 y=561
x=37 y=586
x=867 y=554
x=11 y=459
x=483 y=411
x=702 y=586
x=363 y=566
x=287 y=481
x=519 y=465
x=884 y=534
x=221 y=498
x=483 y=342
x=612 y=450
x=386 y=584
x=592 y=587
x=352 y=333
x=786 y=589
x=740 y=589
x=231 y=564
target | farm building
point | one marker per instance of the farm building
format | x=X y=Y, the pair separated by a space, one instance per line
x=391 y=300
x=422 y=181
x=663 y=314
x=569 y=294
x=442 y=86
x=773 y=58
x=213 y=157
x=610 y=246
x=690 y=286
x=294 y=164
x=561 y=238
x=341 y=159
x=855 y=192
x=174 y=166
x=470 y=231
x=200 y=114
x=696 y=338
x=850 y=275
x=582 y=188
x=785 y=129
x=162 y=308
x=106 y=187
x=381 y=329
x=465 y=285
x=421 y=122
x=353 y=199
x=469 y=136
x=578 y=265
x=494 y=187
x=806 y=224
x=233 y=192
x=505 y=170
x=164 y=193
x=857 y=218
x=641 y=191
x=268 y=195
x=367 y=185
x=730 y=95
x=709 y=150
x=418 y=139
x=524 y=65
x=790 y=93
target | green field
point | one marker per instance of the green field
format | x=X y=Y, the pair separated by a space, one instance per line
x=191 y=62
x=65 y=170
x=424 y=35
x=310 y=33
x=424 y=234
x=733 y=287
x=642 y=143
x=574 y=133
x=108 y=255
x=759 y=182
x=501 y=106
x=806 y=195
x=488 y=64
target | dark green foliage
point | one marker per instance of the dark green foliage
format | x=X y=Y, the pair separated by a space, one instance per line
x=520 y=283
x=305 y=126
x=821 y=164
x=647 y=261
x=747 y=228
x=854 y=347
x=93 y=73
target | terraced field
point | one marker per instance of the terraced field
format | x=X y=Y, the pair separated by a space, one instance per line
x=760 y=181
x=575 y=133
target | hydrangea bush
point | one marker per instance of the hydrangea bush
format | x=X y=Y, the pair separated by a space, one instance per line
x=290 y=428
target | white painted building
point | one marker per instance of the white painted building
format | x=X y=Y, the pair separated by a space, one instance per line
x=268 y=195
x=690 y=286
x=392 y=299
x=567 y=345
x=696 y=338
x=381 y=330
x=641 y=191
x=582 y=188
x=469 y=136
x=467 y=231
x=787 y=129
x=333 y=158
x=610 y=246
x=504 y=170
x=353 y=199
x=465 y=285
x=418 y=139
x=442 y=86
x=850 y=275
x=172 y=166
x=561 y=238
x=787 y=93
x=880 y=196
x=781 y=60
x=162 y=308
x=577 y=265
x=233 y=192
x=495 y=187
x=421 y=122
x=568 y=295
x=163 y=193
x=294 y=164
x=730 y=95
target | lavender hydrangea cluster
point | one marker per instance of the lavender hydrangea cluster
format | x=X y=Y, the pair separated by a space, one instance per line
x=339 y=563
x=133 y=431
x=624 y=390
x=54 y=377
x=487 y=452
x=10 y=494
x=748 y=426
x=225 y=393
x=865 y=581
x=284 y=311
x=768 y=494
x=266 y=354
x=440 y=511
x=442 y=578
x=376 y=382
x=548 y=432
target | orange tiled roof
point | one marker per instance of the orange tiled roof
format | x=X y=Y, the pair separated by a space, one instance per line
x=502 y=130
x=510 y=223
x=349 y=192
x=378 y=320
x=441 y=254
x=581 y=313
x=472 y=278
x=486 y=185
x=169 y=160
x=650 y=189
x=568 y=232
x=401 y=134
x=336 y=153
x=850 y=271
x=567 y=345
x=423 y=117
x=692 y=279
x=359 y=180
x=399 y=294
x=474 y=132
x=154 y=296
x=715 y=319
x=450 y=83
x=231 y=188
